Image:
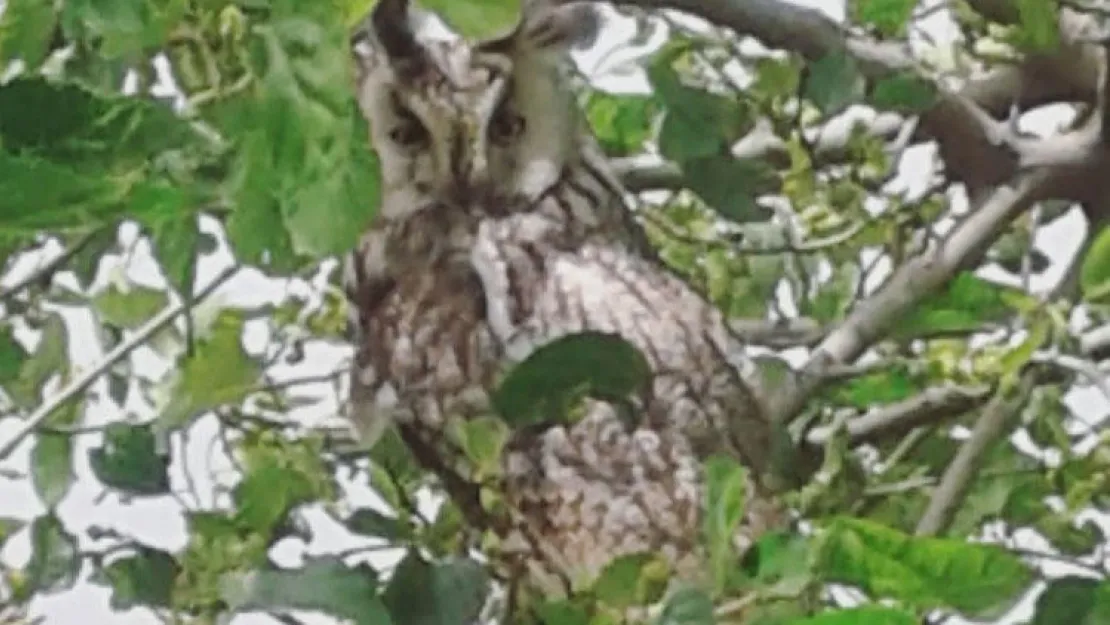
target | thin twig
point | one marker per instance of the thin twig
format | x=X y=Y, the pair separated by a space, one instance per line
x=81 y=383
x=49 y=268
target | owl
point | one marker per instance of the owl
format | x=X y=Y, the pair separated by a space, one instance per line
x=502 y=228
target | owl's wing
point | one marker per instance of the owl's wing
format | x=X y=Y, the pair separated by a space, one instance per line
x=536 y=293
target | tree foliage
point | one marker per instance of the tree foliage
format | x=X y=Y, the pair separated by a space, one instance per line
x=939 y=365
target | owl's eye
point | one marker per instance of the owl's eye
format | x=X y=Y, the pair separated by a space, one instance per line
x=505 y=127
x=409 y=132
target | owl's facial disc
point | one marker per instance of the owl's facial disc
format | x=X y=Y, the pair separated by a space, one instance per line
x=477 y=127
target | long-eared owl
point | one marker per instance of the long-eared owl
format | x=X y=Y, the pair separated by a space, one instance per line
x=502 y=228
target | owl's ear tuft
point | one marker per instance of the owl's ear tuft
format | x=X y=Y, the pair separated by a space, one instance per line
x=389 y=33
x=550 y=25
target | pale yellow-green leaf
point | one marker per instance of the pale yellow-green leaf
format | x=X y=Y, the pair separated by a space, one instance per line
x=129 y=309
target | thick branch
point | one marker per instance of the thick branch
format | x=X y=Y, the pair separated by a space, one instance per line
x=909 y=285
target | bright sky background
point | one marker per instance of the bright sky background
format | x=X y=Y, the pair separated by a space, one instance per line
x=157 y=521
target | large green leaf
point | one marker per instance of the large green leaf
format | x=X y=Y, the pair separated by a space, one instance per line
x=687 y=606
x=634 y=579
x=303 y=161
x=977 y=579
x=451 y=592
x=49 y=358
x=477 y=18
x=25 y=30
x=888 y=16
x=279 y=476
x=730 y=185
x=217 y=372
x=966 y=303
x=547 y=383
x=324 y=584
x=833 y=82
x=1094 y=273
x=129 y=309
x=52 y=466
x=12 y=355
x=622 y=123
x=122 y=27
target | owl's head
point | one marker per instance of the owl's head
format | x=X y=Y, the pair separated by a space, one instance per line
x=459 y=123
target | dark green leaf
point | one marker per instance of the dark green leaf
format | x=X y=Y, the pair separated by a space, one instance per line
x=865 y=615
x=9 y=526
x=562 y=613
x=725 y=494
x=833 y=83
x=325 y=584
x=891 y=384
x=25 y=30
x=697 y=123
x=545 y=385
x=687 y=606
x=730 y=185
x=925 y=572
x=122 y=27
x=888 y=16
x=477 y=18
x=12 y=355
x=52 y=467
x=176 y=240
x=444 y=593
x=145 y=579
x=1075 y=601
x=373 y=523
x=966 y=302
x=904 y=93
x=128 y=460
x=54 y=559
x=86 y=261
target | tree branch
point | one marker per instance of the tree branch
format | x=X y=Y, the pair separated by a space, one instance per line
x=957 y=478
x=47 y=269
x=929 y=406
x=79 y=385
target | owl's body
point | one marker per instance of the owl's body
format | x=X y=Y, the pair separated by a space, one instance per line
x=502 y=229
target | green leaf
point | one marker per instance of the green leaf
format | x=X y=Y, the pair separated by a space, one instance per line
x=145 y=579
x=545 y=385
x=123 y=28
x=482 y=440
x=451 y=592
x=622 y=124
x=966 y=303
x=1038 y=28
x=86 y=262
x=324 y=584
x=905 y=93
x=373 y=523
x=633 y=579
x=833 y=83
x=280 y=475
x=730 y=185
x=1094 y=274
x=1075 y=601
x=687 y=606
x=52 y=467
x=54 y=558
x=562 y=612
x=477 y=18
x=888 y=16
x=25 y=30
x=129 y=309
x=885 y=386
x=176 y=239
x=128 y=460
x=218 y=372
x=304 y=181
x=9 y=526
x=12 y=355
x=865 y=615
x=697 y=123
x=925 y=572
x=49 y=358
x=725 y=493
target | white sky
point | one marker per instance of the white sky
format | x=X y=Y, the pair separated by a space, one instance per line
x=157 y=521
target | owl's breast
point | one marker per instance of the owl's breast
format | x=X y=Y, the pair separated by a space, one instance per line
x=425 y=349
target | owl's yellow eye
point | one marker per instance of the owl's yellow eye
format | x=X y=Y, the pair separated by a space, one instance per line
x=505 y=127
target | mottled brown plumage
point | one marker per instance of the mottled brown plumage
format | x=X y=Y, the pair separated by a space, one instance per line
x=501 y=229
